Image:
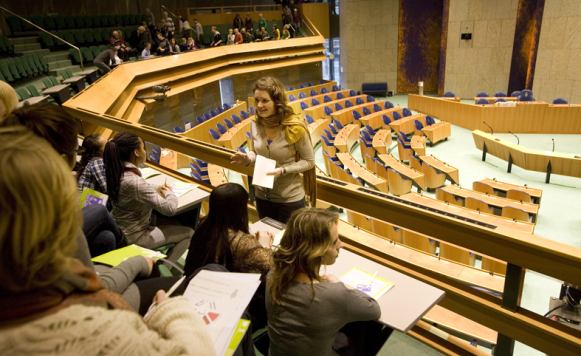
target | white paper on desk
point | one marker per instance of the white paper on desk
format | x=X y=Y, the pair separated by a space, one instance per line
x=148 y=172
x=269 y=225
x=180 y=188
x=262 y=166
x=220 y=298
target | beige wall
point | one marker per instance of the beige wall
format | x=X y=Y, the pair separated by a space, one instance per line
x=483 y=63
x=369 y=42
x=558 y=68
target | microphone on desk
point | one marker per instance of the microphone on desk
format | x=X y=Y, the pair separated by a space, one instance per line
x=490 y=127
x=517 y=140
x=159 y=97
x=553 y=144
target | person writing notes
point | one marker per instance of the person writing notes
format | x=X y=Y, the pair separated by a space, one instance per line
x=280 y=134
x=306 y=309
x=134 y=198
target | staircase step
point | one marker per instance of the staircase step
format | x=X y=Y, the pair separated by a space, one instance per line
x=24 y=40
x=72 y=68
x=41 y=51
x=58 y=64
x=57 y=56
x=18 y=48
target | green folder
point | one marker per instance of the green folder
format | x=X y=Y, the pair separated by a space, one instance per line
x=115 y=257
x=239 y=332
x=91 y=197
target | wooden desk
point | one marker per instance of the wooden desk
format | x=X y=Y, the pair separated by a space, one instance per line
x=502 y=188
x=318 y=111
x=437 y=132
x=90 y=74
x=236 y=136
x=406 y=124
x=405 y=303
x=491 y=200
x=442 y=167
x=347 y=137
x=33 y=101
x=316 y=129
x=534 y=160
x=492 y=99
x=375 y=120
x=524 y=118
x=418 y=145
x=60 y=93
x=77 y=82
x=404 y=170
x=381 y=141
x=186 y=201
x=345 y=116
x=361 y=172
x=217 y=175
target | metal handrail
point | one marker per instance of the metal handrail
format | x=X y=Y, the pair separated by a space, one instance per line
x=47 y=32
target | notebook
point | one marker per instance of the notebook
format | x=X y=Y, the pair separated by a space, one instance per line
x=115 y=257
x=370 y=284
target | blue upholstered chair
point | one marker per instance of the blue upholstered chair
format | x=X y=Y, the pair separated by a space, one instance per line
x=326 y=141
x=244 y=115
x=327 y=98
x=329 y=135
x=292 y=97
x=155 y=154
x=336 y=88
x=229 y=123
x=333 y=129
x=499 y=94
x=328 y=110
x=304 y=105
x=526 y=95
x=377 y=107
x=348 y=103
x=337 y=124
x=482 y=102
x=200 y=119
x=221 y=128
x=324 y=90
x=560 y=101
x=396 y=116
x=499 y=100
x=178 y=129
x=207 y=116
x=227 y=106
x=214 y=134
x=370 y=130
x=366 y=111
x=449 y=94
x=302 y=95
x=313 y=92
x=338 y=107
x=430 y=120
x=315 y=102
x=219 y=110
x=359 y=101
x=482 y=94
x=386 y=119
x=406 y=112
x=309 y=119
x=419 y=125
x=370 y=99
x=387 y=105
x=340 y=96
x=515 y=93
x=401 y=136
x=352 y=92
x=236 y=119
x=356 y=115
x=201 y=163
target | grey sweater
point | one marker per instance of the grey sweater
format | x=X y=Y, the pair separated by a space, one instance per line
x=303 y=326
x=288 y=187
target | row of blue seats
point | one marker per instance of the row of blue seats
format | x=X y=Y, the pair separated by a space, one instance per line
x=376 y=108
x=221 y=129
x=521 y=95
x=313 y=92
x=204 y=117
x=199 y=170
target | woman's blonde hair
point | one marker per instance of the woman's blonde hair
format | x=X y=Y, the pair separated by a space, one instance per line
x=305 y=241
x=40 y=212
x=8 y=99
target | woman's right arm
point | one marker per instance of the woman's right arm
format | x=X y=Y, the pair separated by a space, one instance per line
x=357 y=305
x=148 y=193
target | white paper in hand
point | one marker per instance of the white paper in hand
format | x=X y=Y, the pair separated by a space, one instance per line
x=262 y=166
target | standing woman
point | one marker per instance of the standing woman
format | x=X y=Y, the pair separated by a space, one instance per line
x=306 y=310
x=134 y=198
x=279 y=133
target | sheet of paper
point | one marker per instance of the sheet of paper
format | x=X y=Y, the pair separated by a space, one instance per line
x=115 y=257
x=148 y=172
x=220 y=298
x=180 y=188
x=269 y=225
x=370 y=284
x=262 y=166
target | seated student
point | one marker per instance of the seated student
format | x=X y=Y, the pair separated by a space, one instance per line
x=91 y=170
x=146 y=53
x=56 y=304
x=223 y=237
x=305 y=309
x=134 y=199
x=51 y=123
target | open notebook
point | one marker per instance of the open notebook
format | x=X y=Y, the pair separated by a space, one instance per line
x=370 y=284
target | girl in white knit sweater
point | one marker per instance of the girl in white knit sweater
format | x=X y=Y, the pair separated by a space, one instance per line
x=52 y=303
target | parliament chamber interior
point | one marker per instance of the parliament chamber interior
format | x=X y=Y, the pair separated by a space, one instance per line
x=446 y=136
